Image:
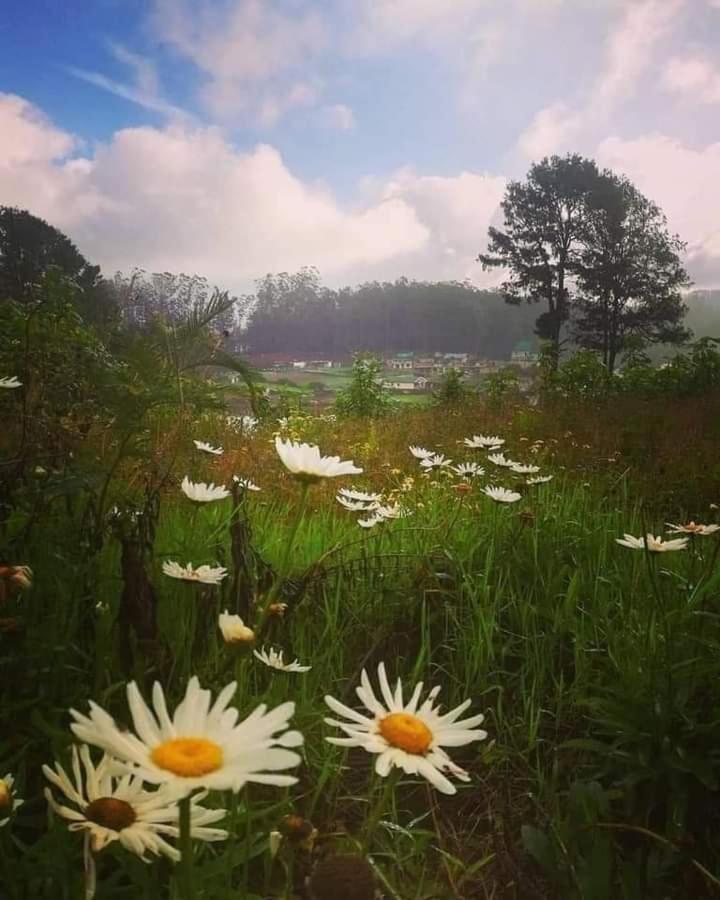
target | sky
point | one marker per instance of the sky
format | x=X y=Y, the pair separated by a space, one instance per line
x=372 y=139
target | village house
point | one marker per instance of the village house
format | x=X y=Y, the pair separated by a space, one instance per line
x=524 y=355
x=401 y=362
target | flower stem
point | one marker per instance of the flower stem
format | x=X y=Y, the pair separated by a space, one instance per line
x=187 y=889
x=282 y=568
x=378 y=808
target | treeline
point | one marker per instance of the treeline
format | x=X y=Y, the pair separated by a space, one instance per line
x=296 y=313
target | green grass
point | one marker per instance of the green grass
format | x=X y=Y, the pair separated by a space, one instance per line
x=596 y=668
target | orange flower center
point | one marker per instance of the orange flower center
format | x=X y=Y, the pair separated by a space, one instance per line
x=188 y=757
x=110 y=813
x=5 y=797
x=406 y=732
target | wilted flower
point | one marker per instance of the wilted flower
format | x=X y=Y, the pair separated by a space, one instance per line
x=118 y=808
x=10 y=382
x=203 y=574
x=200 y=492
x=245 y=483
x=462 y=487
x=234 y=630
x=306 y=463
x=406 y=735
x=653 y=544
x=208 y=448
x=692 y=528
x=274 y=659
x=501 y=494
x=19 y=577
x=201 y=745
x=9 y=801
x=277 y=609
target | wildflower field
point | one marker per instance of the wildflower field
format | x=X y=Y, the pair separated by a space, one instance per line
x=449 y=653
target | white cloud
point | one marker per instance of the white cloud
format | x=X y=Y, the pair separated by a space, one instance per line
x=340 y=116
x=245 y=50
x=695 y=77
x=684 y=182
x=629 y=53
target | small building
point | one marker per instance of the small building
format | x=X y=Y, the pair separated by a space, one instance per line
x=524 y=355
x=401 y=361
x=404 y=386
x=421 y=383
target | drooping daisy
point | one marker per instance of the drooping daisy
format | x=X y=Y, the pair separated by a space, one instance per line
x=10 y=382
x=539 y=479
x=245 y=483
x=406 y=735
x=501 y=494
x=115 y=807
x=200 y=746
x=203 y=574
x=274 y=659
x=692 y=528
x=436 y=461
x=200 y=492
x=307 y=464
x=359 y=496
x=483 y=441
x=421 y=452
x=653 y=544
x=521 y=469
x=208 y=448
x=499 y=459
x=468 y=470
x=19 y=577
x=9 y=801
x=234 y=630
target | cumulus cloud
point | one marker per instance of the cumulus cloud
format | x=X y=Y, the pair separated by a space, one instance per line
x=183 y=198
x=629 y=52
x=247 y=52
x=695 y=77
x=685 y=182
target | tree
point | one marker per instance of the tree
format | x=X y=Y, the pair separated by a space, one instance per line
x=29 y=247
x=543 y=232
x=629 y=274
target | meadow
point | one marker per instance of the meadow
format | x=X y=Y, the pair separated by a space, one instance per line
x=587 y=766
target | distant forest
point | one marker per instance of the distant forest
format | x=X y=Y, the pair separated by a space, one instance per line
x=298 y=314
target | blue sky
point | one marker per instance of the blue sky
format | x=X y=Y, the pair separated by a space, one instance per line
x=371 y=138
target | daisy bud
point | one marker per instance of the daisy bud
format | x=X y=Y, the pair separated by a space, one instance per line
x=296 y=829
x=345 y=875
x=235 y=631
x=276 y=840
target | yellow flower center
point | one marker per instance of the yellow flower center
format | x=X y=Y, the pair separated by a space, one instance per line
x=110 y=813
x=188 y=757
x=5 y=797
x=406 y=732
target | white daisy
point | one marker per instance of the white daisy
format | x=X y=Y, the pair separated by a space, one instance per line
x=10 y=382
x=521 y=469
x=359 y=496
x=539 y=479
x=420 y=452
x=200 y=492
x=208 y=448
x=9 y=801
x=200 y=746
x=499 y=459
x=234 y=630
x=692 y=528
x=371 y=521
x=356 y=505
x=468 y=470
x=245 y=483
x=501 y=494
x=406 y=735
x=116 y=807
x=653 y=544
x=436 y=461
x=392 y=512
x=274 y=659
x=482 y=441
x=203 y=574
x=307 y=464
